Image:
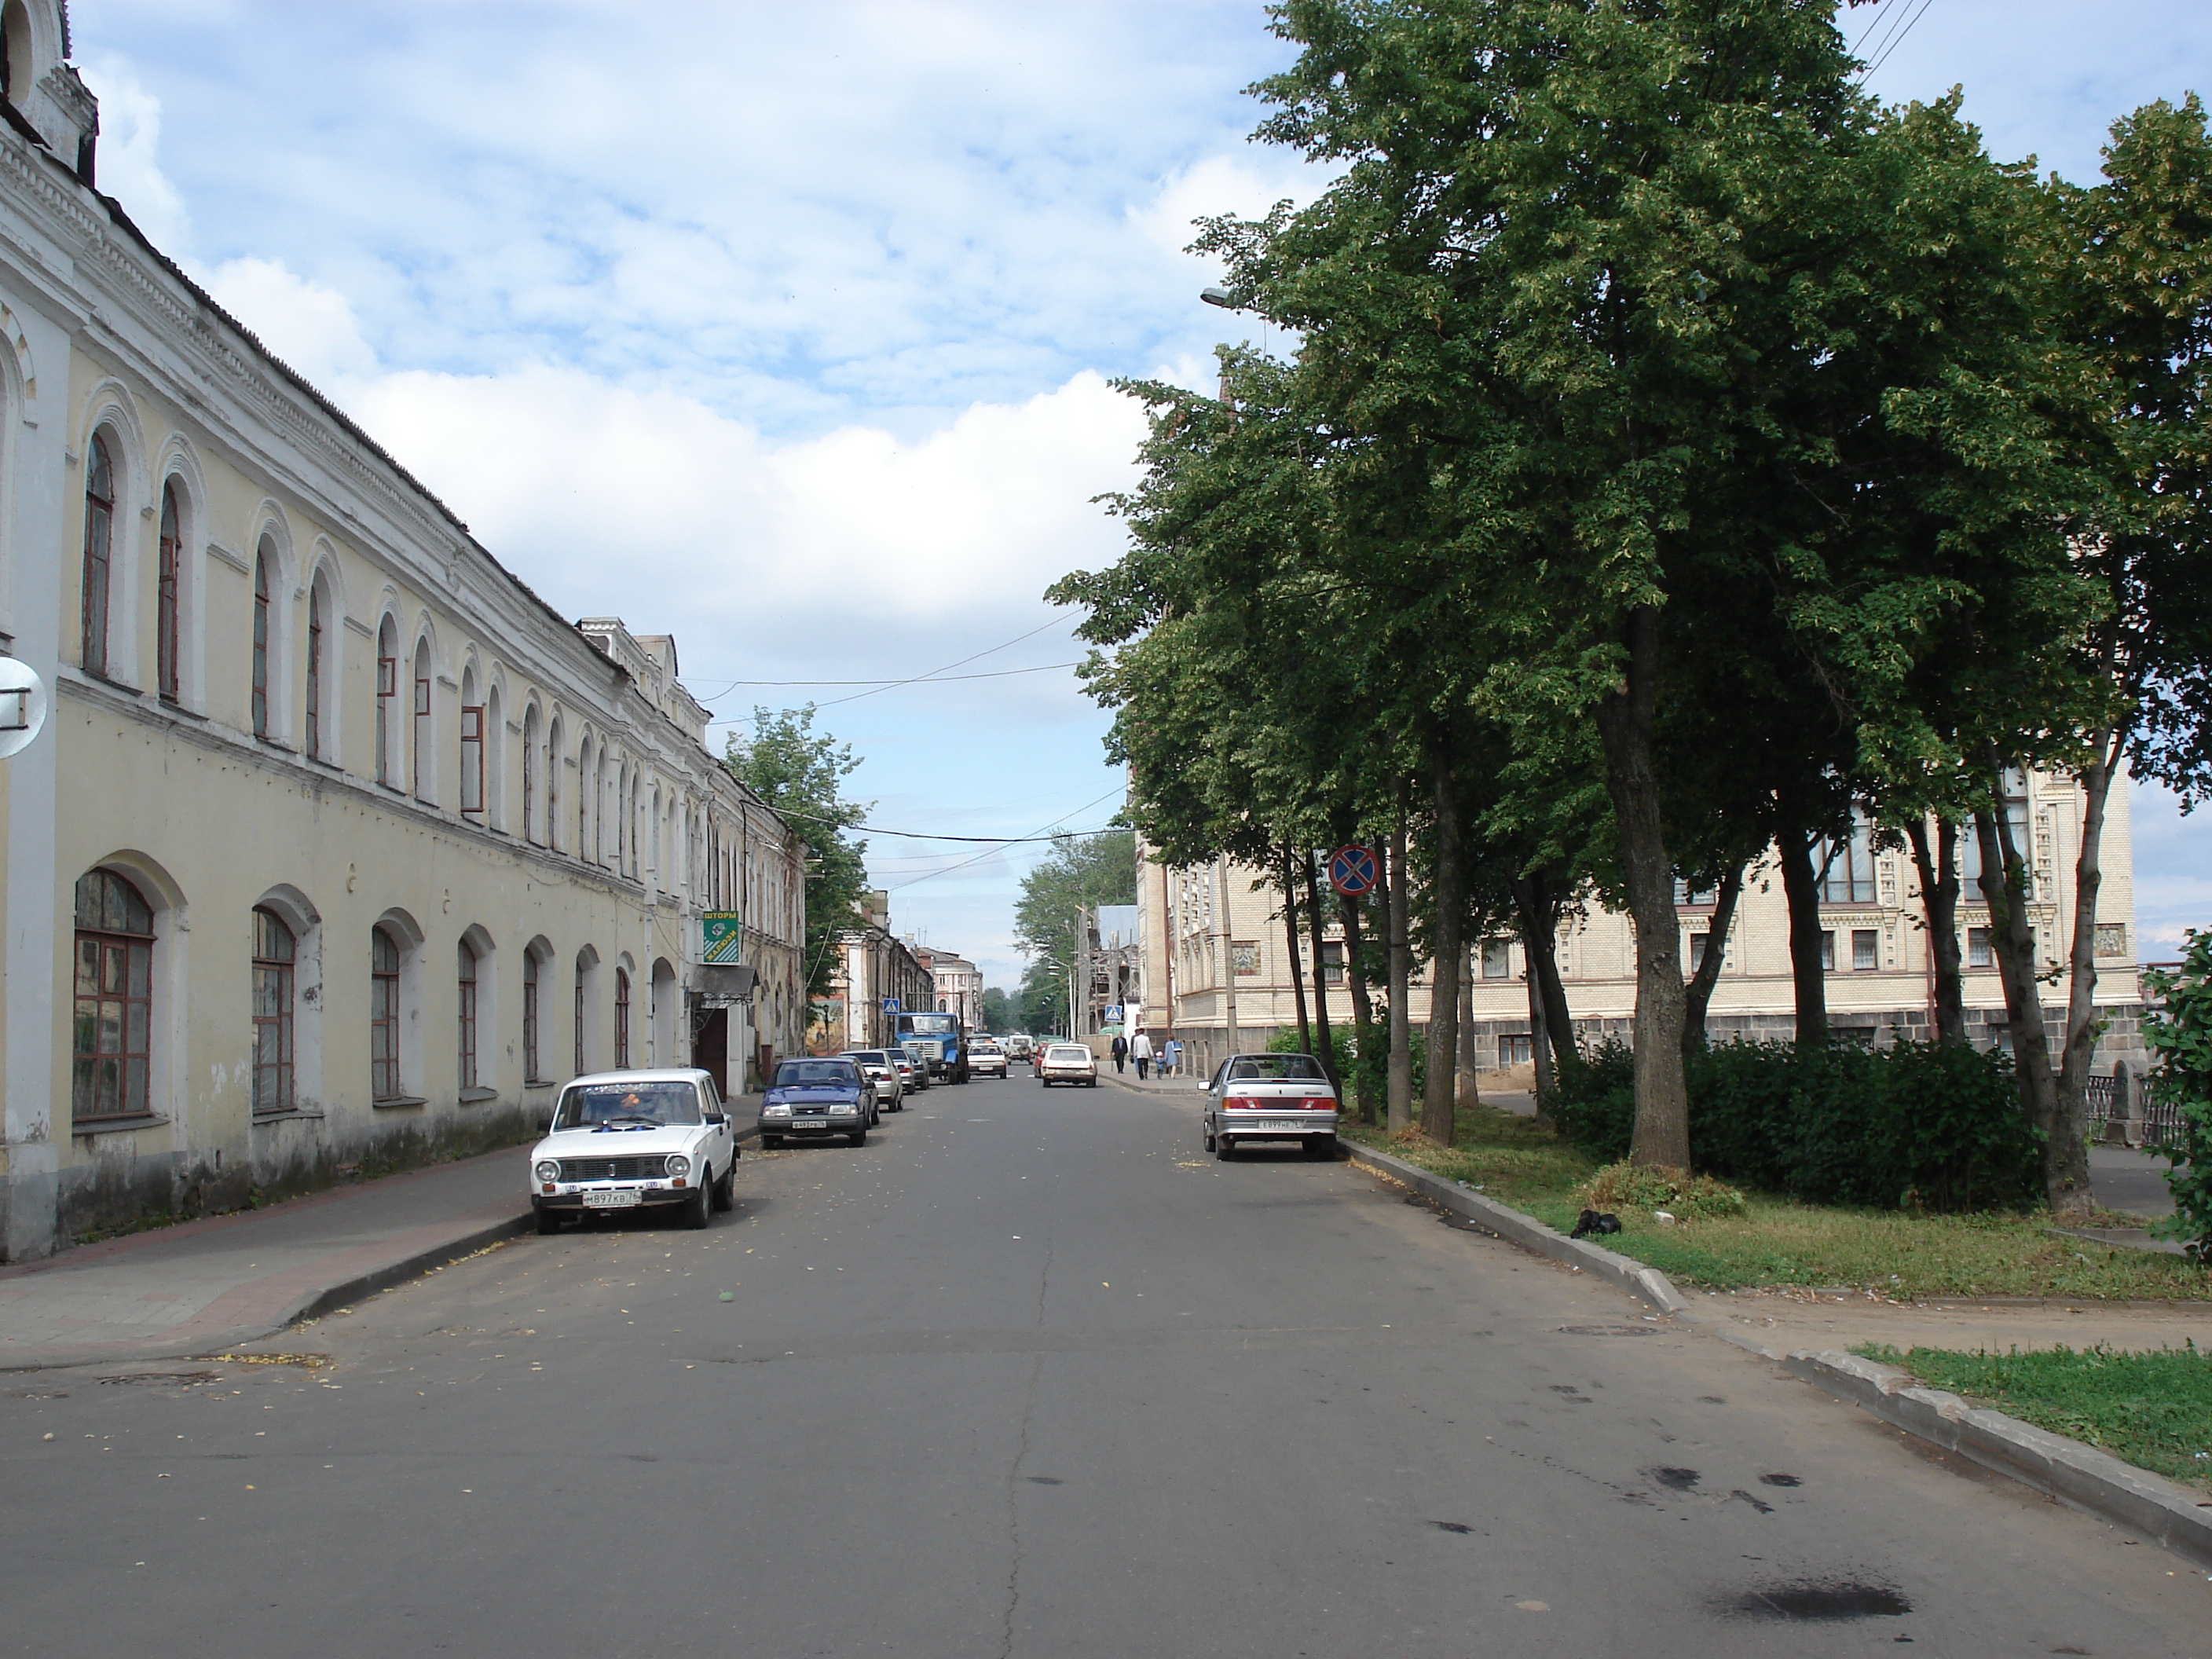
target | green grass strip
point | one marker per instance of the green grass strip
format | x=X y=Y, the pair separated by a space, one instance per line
x=2153 y=1409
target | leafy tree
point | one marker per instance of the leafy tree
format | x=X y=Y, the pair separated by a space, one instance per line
x=1041 y=1002
x=998 y=1010
x=2180 y=1031
x=801 y=773
x=1078 y=874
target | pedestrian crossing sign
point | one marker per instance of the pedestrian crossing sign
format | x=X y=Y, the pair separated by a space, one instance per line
x=722 y=938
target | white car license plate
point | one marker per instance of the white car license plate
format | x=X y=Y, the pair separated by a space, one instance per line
x=617 y=1198
x=1280 y=1123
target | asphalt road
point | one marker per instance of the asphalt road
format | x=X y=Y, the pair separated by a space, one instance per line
x=1027 y=1375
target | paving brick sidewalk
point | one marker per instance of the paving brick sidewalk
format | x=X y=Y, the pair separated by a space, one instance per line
x=202 y=1286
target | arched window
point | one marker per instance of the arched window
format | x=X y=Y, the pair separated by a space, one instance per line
x=111 y=1044
x=383 y=1015
x=553 y=788
x=468 y=1015
x=622 y=1017
x=472 y=749
x=99 y=549
x=167 y=629
x=583 y=981
x=315 y=671
x=530 y=1068
x=419 y=760
x=17 y=70
x=387 y=694
x=261 y=645
x=275 y=952
x=584 y=801
x=530 y=777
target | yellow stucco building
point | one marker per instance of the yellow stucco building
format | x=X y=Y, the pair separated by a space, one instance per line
x=340 y=848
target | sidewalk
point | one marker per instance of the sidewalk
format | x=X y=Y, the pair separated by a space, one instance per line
x=202 y=1287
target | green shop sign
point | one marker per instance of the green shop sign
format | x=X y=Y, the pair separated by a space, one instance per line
x=722 y=937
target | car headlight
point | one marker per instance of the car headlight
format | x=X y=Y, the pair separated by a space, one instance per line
x=775 y=1111
x=678 y=1164
x=843 y=1110
x=548 y=1170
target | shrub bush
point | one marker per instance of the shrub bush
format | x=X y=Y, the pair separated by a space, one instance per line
x=2180 y=1033
x=1917 y=1126
x=1681 y=1194
x=1594 y=1102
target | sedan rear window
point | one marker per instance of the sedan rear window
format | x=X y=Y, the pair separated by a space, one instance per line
x=1067 y=1054
x=1276 y=1068
x=587 y=1105
x=818 y=1074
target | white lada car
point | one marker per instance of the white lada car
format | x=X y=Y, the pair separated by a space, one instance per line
x=624 y=1139
x=1270 y=1098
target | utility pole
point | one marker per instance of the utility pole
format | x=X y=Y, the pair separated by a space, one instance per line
x=1228 y=967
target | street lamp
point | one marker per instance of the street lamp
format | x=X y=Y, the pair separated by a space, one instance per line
x=1219 y=296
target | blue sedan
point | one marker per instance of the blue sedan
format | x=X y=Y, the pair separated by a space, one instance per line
x=814 y=1099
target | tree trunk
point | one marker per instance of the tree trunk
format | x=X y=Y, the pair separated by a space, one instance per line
x=1320 y=977
x=1447 y=898
x=2012 y=938
x=1298 y=977
x=1537 y=905
x=1539 y=1049
x=1624 y=723
x=1939 y=902
x=1362 y=1006
x=1699 y=994
x=2082 y=1025
x=1467 y=1090
x=1808 y=969
x=1400 y=1106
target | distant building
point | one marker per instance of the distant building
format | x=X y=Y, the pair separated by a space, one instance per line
x=1216 y=954
x=879 y=977
x=958 y=983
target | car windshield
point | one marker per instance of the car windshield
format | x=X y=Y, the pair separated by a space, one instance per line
x=816 y=1074
x=867 y=1057
x=1067 y=1054
x=1276 y=1068
x=587 y=1105
x=931 y=1024
x=988 y=1048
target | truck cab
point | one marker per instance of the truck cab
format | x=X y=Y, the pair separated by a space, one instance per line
x=938 y=1038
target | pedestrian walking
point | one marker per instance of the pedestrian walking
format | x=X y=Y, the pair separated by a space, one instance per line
x=1120 y=1047
x=1140 y=1050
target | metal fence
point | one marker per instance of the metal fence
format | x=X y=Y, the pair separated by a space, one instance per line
x=2107 y=1102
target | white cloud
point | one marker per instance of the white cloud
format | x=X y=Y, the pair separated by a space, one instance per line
x=312 y=328
x=129 y=144
x=569 y=479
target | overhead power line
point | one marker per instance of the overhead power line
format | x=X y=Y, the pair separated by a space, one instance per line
x=1038 y=835
x=988 y=674
x=916 y=834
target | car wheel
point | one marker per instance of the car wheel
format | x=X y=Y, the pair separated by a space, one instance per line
x=1209 y=1140
x=1320 y=1146
x=858 y=1137
x=693 y=1212
x=771 y=1140
x=1225 y=1149
x=549 y=1221
x=1091 y=1084
x=725 y=1189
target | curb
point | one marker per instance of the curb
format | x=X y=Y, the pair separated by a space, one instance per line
x=316 y=1304
x=1645 y=1283
x=2073 y=1474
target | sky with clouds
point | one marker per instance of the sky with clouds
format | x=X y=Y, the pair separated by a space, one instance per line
x=788 y=329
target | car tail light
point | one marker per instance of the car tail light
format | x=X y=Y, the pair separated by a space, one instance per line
x=1244 y=1104
x=1319 y=1103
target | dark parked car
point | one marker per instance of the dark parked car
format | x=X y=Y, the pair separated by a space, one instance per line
x=813 y=1099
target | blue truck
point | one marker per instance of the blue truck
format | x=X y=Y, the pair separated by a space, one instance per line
x=940 y=1040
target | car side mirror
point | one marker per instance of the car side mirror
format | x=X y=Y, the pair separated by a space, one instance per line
x=717 y=1117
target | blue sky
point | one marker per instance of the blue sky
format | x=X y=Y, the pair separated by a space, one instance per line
x=787 y=328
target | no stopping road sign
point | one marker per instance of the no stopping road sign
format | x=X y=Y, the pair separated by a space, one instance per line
x=1352 y=871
